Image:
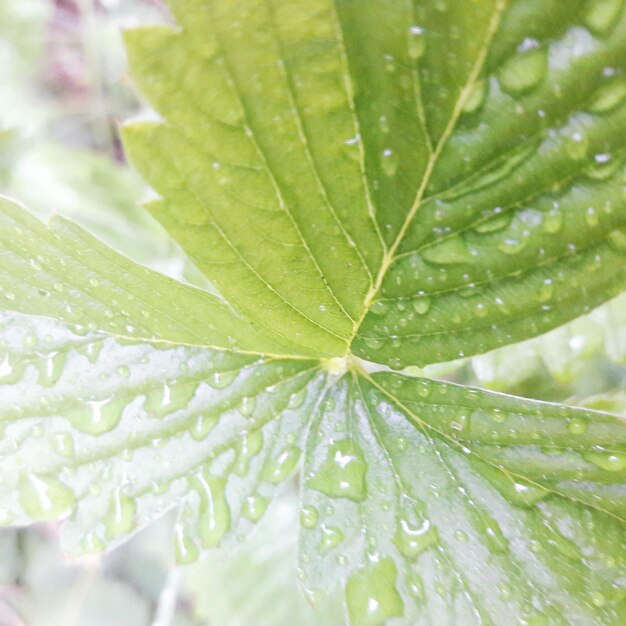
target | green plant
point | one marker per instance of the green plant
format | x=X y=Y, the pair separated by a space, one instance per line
x=358 y=183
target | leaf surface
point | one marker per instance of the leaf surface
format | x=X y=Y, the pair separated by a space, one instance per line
x=111 y=435
x=62 y=271
x=441 y=504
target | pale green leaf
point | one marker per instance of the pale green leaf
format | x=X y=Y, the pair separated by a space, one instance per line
x=111 y=435
x=441 y=504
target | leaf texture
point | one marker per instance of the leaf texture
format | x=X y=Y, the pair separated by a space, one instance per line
x=111 y=435
x=441 y=504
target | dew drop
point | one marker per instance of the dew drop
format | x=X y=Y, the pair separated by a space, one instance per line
x=598 y=599
x=11 y=371
x=63 y=444
x=609 y=461
x=475 y=97
x=609 y=96
x=546 y=290
x=525 y=70
x=221 y=380
x=552 y=221
x=421 y=304
x=247 y=406
x=120 y=518
x=343 y=472
x=416 y=43
x=97 y=416
x=296 y=399
x=331 y=538
x=214 y=518
x=185 y=547
x=412 y=540
x=453 y=250
x=309 y=517
x=371 y=594
x=254 y=507
x=202 y=426
x=577 y=426
x=280 y=468
x=45 y=497
x=169 y=398
x=389 y=162
x=373 y=343
x=576 y=145
x=123 y=371
x=247 y=448
x=601 y=16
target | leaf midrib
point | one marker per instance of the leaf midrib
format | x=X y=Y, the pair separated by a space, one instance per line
x=390 y=254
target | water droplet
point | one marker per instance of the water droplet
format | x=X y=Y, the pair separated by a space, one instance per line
x=11 y=370
x=423 y=389
x=57 y=286
x=63 y=444
x=214 y=518
x=416 y=43
x=383 y=122
x=609 y=96
x=247 y=406
x=328 y=404
x=495 y=223
x=120 y=518
x=97 y=416
x=598 y=599
x=296 y=399
x=411 y=540
x=475 y=96
x=45 y=497
x=281 y=467
x=546 y=290
x=421 y=304
x=221 y=380
x=343 y=472
x=202 y=426
x=389 y=162
x=373 y=343
x=451 y=250
x=576 y=145
x=309 y=517
x=331 y=538
x=249 y=445
x=617 y=240
x=552 y=221
x=91 y=350
x=577 y=426
x=185 y=547
x=415 y=585
x=461 y=536
x=601 y=16
x=379 y=308
x=169 y=398
x=123 y=371
x=524 y=70
x=94 y=282
x=609 y=461
x=371 y=594
x=254 y=507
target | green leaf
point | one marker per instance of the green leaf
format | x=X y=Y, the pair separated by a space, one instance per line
x=110 y=434
x=405 y=183
x=63 y=272
x=445 y=504
x=521 y=209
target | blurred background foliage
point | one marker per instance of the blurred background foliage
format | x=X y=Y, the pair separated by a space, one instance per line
x=64 y=90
